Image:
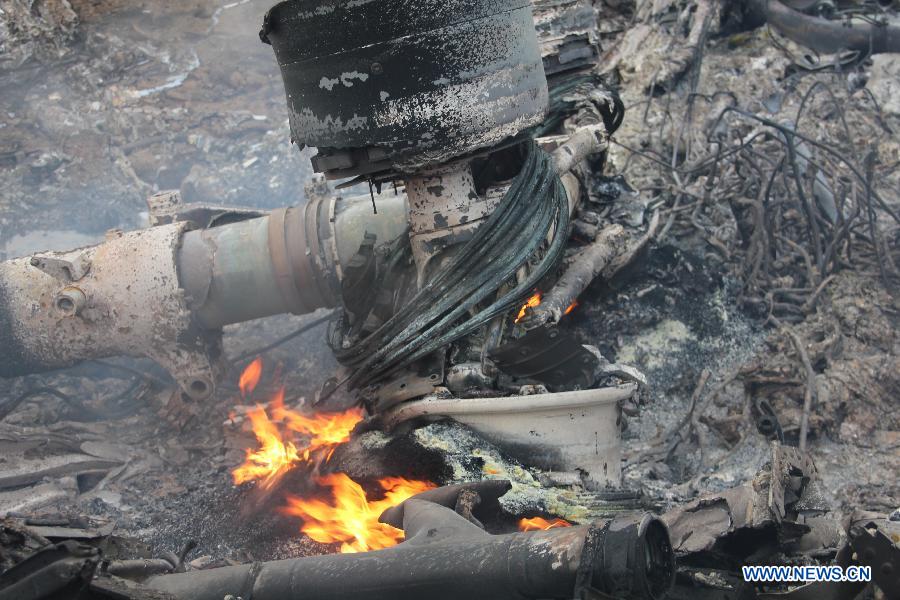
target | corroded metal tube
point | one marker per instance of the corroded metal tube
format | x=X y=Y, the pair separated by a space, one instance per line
x=165 y=292
x=446 y=557
x=827 y=35
x=120 y=297
x=290 y=261
x=584 y=142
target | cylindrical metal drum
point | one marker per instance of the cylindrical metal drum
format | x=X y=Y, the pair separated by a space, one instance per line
x=406 y=83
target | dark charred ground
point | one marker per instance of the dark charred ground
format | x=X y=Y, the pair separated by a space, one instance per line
x=133 y=98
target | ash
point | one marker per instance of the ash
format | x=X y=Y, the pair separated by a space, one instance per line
x=104 y=103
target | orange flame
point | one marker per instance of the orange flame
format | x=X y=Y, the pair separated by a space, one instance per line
x=325 y=430
x=530 y=303
x=288 y=438
x=277 y=454
x=350 y=518
x=539 y=524
x=250 y=377
x=571 y=307
x=273 y=458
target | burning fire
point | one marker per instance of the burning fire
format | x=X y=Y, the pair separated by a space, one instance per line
x=539 y=524
x=250 y=377
x=277 y=453
x=349 y=517
x=273 y=458
x=530 y=303
x=324 y=430
x=535 y=301
x=287 y=439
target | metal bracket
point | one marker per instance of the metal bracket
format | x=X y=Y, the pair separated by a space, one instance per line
x=63 y=269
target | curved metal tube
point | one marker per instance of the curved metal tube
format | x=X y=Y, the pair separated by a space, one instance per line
x=446 y=557
x=825 y=35
x=164 y=292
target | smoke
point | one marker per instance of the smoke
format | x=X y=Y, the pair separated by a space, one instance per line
x=105 y=103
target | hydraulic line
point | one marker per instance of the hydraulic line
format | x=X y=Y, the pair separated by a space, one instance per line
x=507 y=241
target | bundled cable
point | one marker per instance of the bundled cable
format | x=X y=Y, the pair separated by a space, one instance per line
x=441 y=311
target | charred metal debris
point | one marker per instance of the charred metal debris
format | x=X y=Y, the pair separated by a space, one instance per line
x=448 y=282
x=487 y=155
x=446 y=554
x=776 y=518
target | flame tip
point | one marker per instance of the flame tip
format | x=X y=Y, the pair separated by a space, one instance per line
x=541 y=524
x=532 y=302
x=250 y=377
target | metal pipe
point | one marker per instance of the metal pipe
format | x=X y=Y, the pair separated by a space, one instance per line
x=826 y=35
x=446 y=557
x=139 y=568
x=290 y=261
x=219 y=266
x=587 y=140
x=582 y=269
x=165 y=292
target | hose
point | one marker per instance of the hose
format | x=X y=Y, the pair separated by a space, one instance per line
x=828 y=36
x=510 y=238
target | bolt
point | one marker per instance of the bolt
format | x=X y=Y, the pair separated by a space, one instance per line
x=70 y=301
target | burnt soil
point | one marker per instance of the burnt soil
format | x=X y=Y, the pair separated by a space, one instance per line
x=138 y=97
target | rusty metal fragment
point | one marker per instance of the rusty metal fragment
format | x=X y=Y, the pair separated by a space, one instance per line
x=773 y=498
x=778 y=513
x=25 y=471
x=60 y=571
x=120 y=297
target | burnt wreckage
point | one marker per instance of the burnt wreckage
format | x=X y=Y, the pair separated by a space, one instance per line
x=474 y=129
x=444 y=109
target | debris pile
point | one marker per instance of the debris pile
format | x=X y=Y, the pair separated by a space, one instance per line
x=35 y=32
x=724 y=297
